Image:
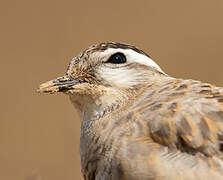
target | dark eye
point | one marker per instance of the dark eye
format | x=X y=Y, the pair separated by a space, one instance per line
x=117 y=58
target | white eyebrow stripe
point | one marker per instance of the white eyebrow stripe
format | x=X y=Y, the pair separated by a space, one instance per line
x=133 y=56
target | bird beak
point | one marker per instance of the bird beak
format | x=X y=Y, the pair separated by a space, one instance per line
x=61 y=84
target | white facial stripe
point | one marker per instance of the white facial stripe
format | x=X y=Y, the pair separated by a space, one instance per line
x=122 y=77
x=133 y=56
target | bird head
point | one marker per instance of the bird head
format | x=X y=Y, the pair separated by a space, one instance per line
x=113 y=70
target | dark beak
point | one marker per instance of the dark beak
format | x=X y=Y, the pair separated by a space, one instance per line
x=61 y=84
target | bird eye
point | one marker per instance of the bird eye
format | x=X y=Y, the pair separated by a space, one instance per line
x=117 y=58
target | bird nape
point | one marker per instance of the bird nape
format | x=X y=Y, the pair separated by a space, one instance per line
x=139 y=123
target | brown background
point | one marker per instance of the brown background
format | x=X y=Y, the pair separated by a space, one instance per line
x=39 y=134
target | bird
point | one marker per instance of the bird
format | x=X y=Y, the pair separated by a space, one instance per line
x=139 y=123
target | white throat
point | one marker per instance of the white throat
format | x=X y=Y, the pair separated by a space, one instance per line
x=89 y=107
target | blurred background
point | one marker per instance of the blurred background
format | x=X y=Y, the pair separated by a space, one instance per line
x=39 y=134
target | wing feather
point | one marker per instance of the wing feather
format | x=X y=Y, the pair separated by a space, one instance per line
x=187 y=115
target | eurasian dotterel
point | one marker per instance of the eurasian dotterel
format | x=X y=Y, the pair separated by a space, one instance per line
x=138 y=123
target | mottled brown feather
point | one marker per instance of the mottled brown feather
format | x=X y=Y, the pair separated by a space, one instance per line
x=192 y=116
x=173 y=136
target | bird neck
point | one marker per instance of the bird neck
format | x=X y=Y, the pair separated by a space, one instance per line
x=93 y=106
x=96 y=102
